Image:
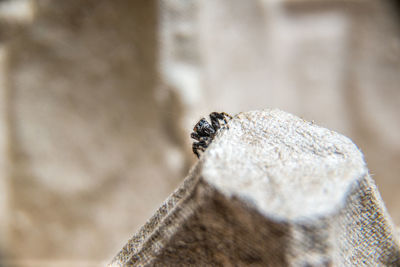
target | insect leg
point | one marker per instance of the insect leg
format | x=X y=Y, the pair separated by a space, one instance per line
x=215 y=117
x=195 y=136
x=201 y=145
x=195 y=146
x=226 y=115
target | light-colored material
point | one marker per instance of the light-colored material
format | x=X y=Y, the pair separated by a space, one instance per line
x=273 y=190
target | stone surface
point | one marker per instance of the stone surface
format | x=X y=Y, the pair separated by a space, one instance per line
x=272 y=190
x=98 y=99
x=326 y=61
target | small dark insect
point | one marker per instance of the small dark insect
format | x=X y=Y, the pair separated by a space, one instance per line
x=204 y=132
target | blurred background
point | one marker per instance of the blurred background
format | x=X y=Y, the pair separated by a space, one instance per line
x=98 y=98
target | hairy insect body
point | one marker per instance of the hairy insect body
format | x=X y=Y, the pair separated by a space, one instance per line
x=204 y=132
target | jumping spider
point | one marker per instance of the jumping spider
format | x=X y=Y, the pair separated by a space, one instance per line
x=204 y=133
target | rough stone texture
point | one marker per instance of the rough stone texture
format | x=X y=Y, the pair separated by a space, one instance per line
x=334 y=62
x=273 y=190
x=98 y=98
